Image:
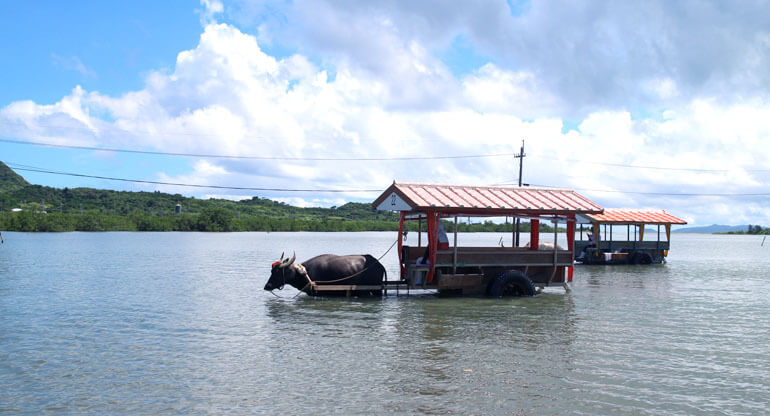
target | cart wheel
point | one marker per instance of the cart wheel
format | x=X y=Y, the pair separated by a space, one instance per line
x=640 y=257
x=511 y=283
x=645 y=258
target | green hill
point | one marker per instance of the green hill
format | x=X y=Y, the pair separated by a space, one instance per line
x=10 y=180
x=43 y=208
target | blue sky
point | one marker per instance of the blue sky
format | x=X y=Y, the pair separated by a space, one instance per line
x=51 y=46
x=626 y=102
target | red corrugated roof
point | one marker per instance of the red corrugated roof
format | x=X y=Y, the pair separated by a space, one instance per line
x=635 y=216
x=490 y=199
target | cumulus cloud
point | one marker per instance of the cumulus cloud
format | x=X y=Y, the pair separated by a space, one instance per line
x=593 y=54
x=395 y=98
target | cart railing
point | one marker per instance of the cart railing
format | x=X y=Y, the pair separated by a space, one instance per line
x=492 y=257
x=624 y=245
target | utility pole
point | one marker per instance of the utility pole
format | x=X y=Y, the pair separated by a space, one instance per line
x=519 y=156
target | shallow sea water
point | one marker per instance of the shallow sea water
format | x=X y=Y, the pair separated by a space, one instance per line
x=178 y=323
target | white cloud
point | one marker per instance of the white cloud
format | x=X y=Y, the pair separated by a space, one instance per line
x=661 y=88
x=72 y=63
x=493 y=89
x=211 y=8
x=592 y=54
x=312 y=202
x=229 y=197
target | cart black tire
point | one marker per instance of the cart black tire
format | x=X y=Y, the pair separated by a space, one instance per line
x=511 y=283
x=641 y=257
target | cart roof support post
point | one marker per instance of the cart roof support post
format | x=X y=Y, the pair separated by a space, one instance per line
x=401 y=259
x=433 y=219
x=534 y=234
x=571 y=243
x=555 y=233
x=605 y=231
x=419 y=231
x=555 y=240
x=454 y=249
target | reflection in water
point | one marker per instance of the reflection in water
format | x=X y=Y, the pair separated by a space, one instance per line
x=490 y=352
x=600 y=277
x=486 y=349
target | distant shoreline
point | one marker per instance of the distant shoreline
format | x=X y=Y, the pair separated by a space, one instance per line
x=220 y=220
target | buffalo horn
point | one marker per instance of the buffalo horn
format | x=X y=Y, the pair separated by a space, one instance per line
x=291 y=261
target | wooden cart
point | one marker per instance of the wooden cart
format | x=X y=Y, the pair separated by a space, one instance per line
x=603 y=247
x=495 y=271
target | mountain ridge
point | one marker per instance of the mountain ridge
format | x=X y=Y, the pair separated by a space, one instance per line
x=710 y=229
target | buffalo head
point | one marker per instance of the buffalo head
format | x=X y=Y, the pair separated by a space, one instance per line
x=285 y=271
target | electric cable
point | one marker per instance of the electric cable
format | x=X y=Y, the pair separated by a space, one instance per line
x=285 y=158
x=246 y=188
x=357 y=159
x=238 y=188
x=660 y=193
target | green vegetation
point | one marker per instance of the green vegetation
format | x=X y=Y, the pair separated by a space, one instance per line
x=752 y=230
x=85 y=209
x=10 y=180
x=49 y=209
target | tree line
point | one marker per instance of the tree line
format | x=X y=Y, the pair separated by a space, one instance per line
x=753 y=230
x=209 y=219
x=218 y=219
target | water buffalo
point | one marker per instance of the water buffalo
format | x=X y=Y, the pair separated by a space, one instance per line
x=329 y=269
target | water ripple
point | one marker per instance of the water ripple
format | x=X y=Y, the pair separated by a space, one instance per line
x=171 y=323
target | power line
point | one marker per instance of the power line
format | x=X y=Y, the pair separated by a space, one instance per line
x=213 y=156
x=332 y=159
x=661 y=193
x=113 y=129
x=242 y=188
x=239 y=188
x=621 y=165
x=357 y=159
